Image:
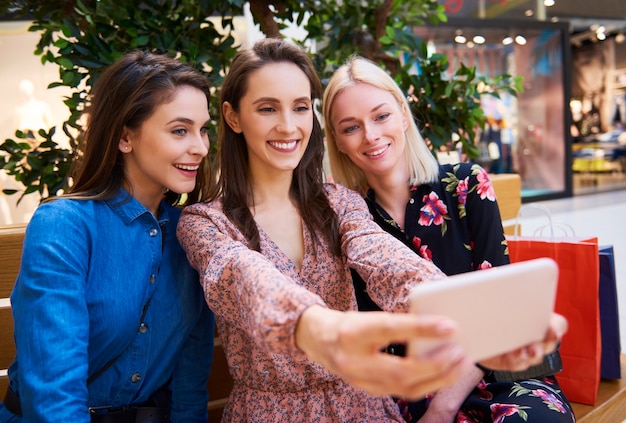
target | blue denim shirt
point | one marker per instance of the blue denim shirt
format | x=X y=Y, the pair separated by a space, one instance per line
x=89 y=268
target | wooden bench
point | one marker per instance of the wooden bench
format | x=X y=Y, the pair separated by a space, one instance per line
x=11 y=240
x=508 y=189
x=610 y=406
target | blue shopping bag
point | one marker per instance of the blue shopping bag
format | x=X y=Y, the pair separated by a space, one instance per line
x=609 y=316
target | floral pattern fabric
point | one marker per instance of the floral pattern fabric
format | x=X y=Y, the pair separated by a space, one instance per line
x=273 y=380
x=439 y=227
x=456 y=223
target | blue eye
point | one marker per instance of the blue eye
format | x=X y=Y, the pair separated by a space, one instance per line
x=180 y=131
x=350 y=129
x=383 y=116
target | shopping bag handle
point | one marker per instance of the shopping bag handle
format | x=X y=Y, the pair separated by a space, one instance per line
x=540 y=207
x=566 y=229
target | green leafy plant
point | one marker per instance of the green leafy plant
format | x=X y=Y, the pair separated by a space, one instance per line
x=448 y=109
x=82 y=37
x=40 y=169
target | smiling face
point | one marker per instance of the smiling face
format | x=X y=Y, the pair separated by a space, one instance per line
x=275 y=116
x=369 y=127
x=166 y=151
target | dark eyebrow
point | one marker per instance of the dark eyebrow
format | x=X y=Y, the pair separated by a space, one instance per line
x=275 y=100
x=185 y=120
x=180 y=119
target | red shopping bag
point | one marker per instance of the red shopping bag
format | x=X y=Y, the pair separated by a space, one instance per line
x=577 y=300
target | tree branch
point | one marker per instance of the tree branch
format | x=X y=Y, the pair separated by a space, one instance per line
x=265 y=17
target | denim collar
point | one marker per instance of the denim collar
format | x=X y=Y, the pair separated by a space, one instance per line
x=128 y=208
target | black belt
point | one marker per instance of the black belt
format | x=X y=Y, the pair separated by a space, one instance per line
x=12 y=402
x=129 y=414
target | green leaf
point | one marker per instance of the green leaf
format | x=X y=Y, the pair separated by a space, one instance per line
x=64 y=63
x=143 y=40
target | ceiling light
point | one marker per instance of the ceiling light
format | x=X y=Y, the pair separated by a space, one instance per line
x=460 y=39
x=520 y=40
x=507 y=40
x=548 y=3
x=620 y=38
x=479 y=39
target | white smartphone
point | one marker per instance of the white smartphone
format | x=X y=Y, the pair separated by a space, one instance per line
x=497 y=309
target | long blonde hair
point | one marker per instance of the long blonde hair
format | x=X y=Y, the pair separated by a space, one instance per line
x=423 y=167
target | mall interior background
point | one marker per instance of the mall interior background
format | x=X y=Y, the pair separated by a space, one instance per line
x=564 y=134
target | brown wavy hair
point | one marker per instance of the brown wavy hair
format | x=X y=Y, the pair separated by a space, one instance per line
x=233 y=184
x=125 y=95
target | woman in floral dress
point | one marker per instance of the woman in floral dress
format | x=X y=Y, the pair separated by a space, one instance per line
x=446 y=213
x=274 y=246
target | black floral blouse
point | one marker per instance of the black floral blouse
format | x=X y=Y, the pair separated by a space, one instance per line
x=455 y=223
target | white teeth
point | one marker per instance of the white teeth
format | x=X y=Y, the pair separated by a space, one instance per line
x=283 y=145
x=376 y=152
x=187 y=167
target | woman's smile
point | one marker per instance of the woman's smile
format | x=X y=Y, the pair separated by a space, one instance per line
x=284 y=146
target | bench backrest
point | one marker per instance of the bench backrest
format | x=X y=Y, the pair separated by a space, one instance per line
x=508 y=189
x=11 y=239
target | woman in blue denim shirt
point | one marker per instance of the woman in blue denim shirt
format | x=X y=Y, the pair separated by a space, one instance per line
x=110 y=320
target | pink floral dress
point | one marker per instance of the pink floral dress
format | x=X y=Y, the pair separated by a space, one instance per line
x=258 y=298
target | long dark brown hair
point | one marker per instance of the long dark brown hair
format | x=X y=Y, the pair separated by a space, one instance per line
x=125 y=95
x=234 y=185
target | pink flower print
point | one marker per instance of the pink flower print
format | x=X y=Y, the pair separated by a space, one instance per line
x=500 y=411
x=549 y=399
x=404 y=409
x=424 y=251
x=483 y=392
x=485 y=189
x=461 y=417
x=469 y=416
x=433 y=210
x=485 y=265
x=462 y=189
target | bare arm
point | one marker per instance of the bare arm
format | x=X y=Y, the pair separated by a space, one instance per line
x=447 y=401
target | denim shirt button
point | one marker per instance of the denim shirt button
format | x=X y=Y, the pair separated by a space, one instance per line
x=154 y=232
x=152 y=278
x=136 y=377
x=143 y=328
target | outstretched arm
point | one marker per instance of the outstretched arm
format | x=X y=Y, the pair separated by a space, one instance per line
x=349 y=344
